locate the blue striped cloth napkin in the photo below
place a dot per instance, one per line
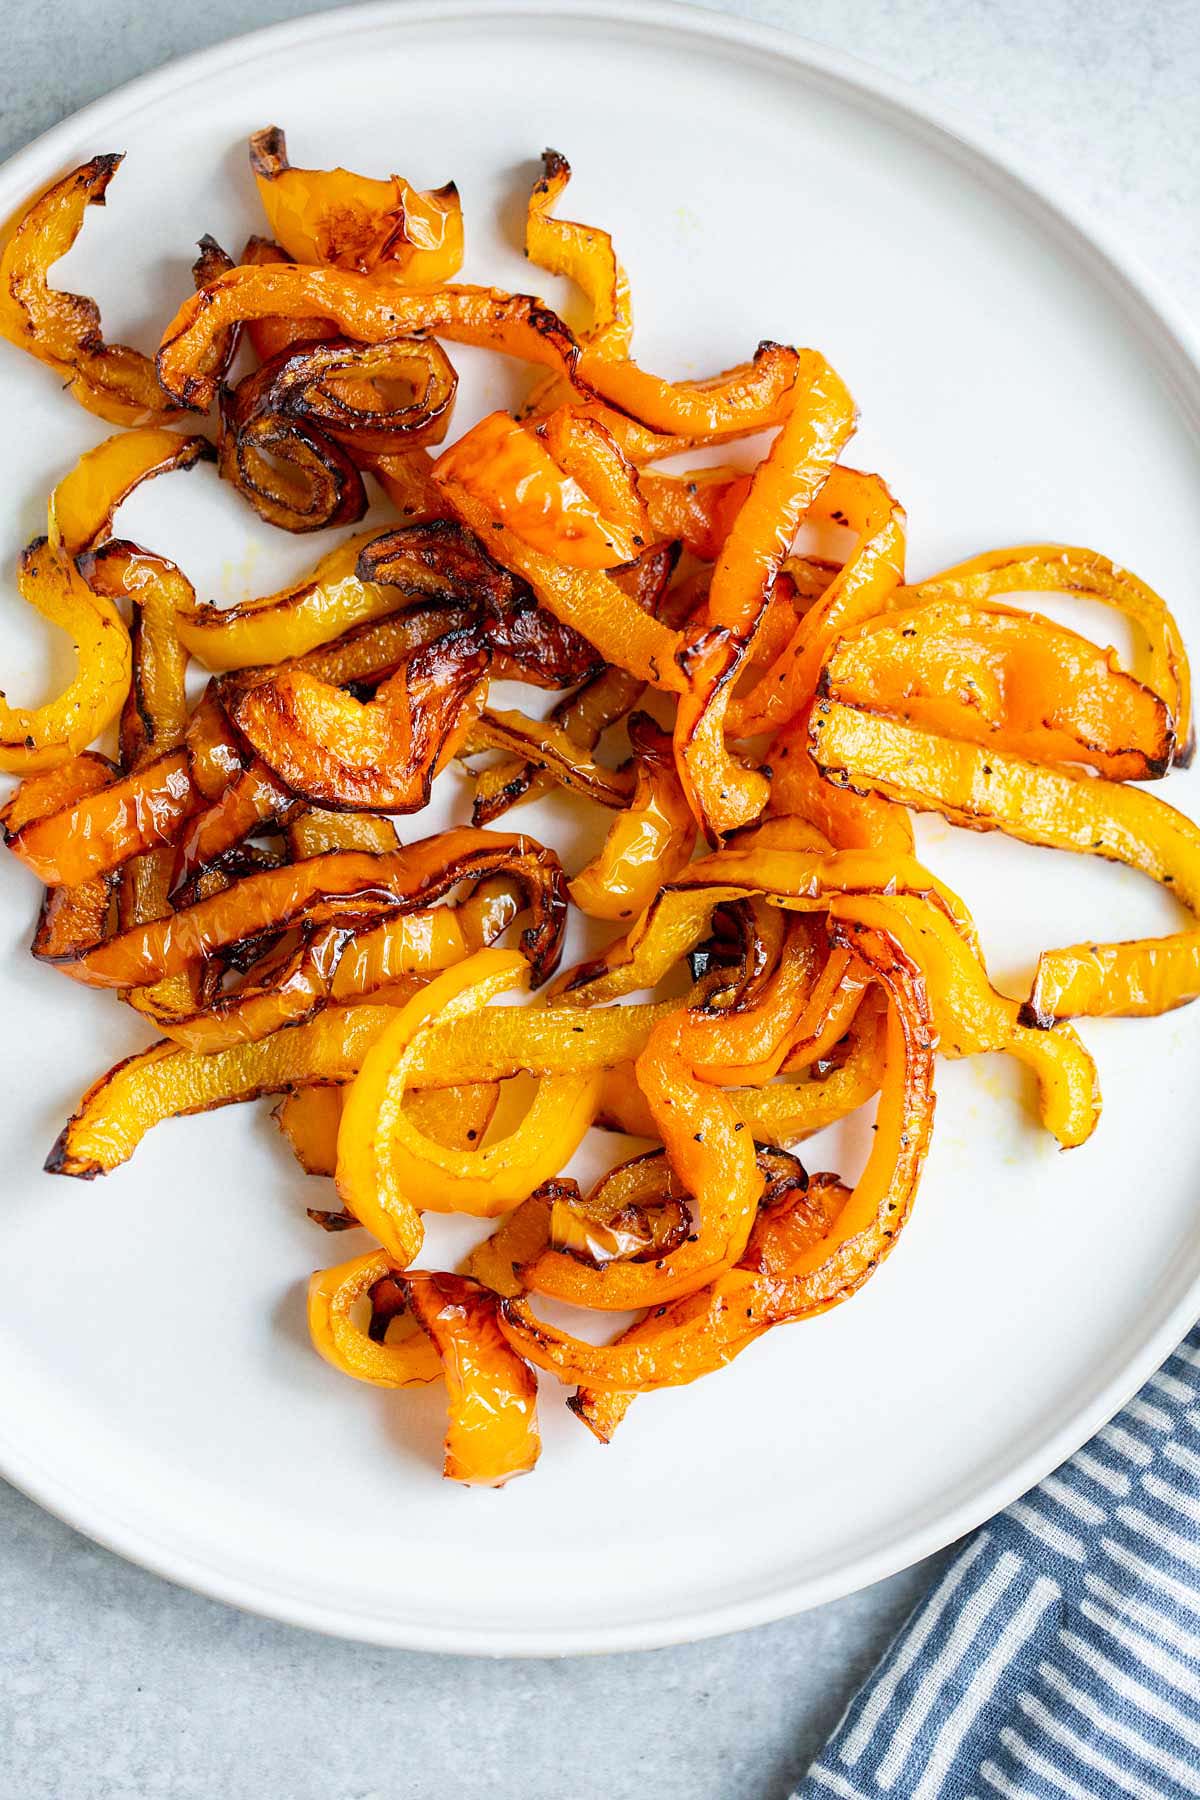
(1059, 1656)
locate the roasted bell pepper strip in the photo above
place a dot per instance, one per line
(309, 1120)
(743, 1302)
(285, 624)
(312, 831)
(331, 748)
(81, 507)
(1062, 569)
(723, 794)
(254, 1010)
(382, 228)
(587, 599)
(861, 588)
(377, 399)
(648, 842)
(104, 829)
(333, 1295)
(786, 1228)
(40, 796)
(511, 469)
(294, 477)
(492, 1434)
(1004, 678)
(698, 509)
(388, 1170)
(166, 1082)
(431, 939)
(345, 885)
(70, 917)
(311, 1117)
(269, 336)
(61, 329)
(583, 254)
(493, 1043)
(850, 820)
(406, 477)
(254, 797)
(38, 737)
(543, 742)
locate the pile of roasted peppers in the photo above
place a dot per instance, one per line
(757, 723)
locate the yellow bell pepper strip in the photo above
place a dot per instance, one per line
(311, 831)
(331, 748)
(791, 1222)
(333, 1296)
(294, 478)
(284, 996)
(309, 1119)
(698, 509)
(427, 940)
(39, 737)
(971, 1017)
(649, 841)
(511, 469)
(388, 1171)
(40, 796)
(382, 228)
(861, 588)
(492, 1433)
(744, 1302)
(496, 1261)
(298, 618)
(722, 793)
(406, 477)
(583, 254)
(496, 1042)
(850, 821)
(587, 599)
(1064, 569)
(104, 829)
(70, 917)
(166, 1082)
(342, 886)
(63, 330)
(269, 336)
(81, 507)
(1004, 678)
(543, 742)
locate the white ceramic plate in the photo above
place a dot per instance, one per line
(1015, 383)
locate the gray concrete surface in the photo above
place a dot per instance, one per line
(115, 1685)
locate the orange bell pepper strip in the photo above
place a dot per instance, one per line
(252, 798)
(406, 477)
(587, 599)
(333, 1295)
(583, 254)
(382, 228)
(1063, 569)
(33, 738)
(786, 1227)
(648, 842)
(743, 1302)
(388, 1171)
(382, 754)
(284, 997)
(309, 1120)
(543, 742)
(104, 829)
(70, 916)
(698, 509)
(861, 588)
(492, 1433)
(850, 820)
(268, 337)
(81, 507)
(1005, 678)
(311, 832)
(723, 794)
(434, 938)
(63, 330)
(344, 885)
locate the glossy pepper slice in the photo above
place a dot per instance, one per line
(492, 1433)
(388, 1171)
(1004, 678)
(333, 1296)
(649, 841)
(81, 507)
(724, 794)
(63, 330)
(743, 1302)
(102, 830)
(38, 737)
(383, 228)
(344, 885)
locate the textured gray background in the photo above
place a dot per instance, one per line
(114, 1684)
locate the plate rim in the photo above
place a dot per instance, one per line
(1178, 341)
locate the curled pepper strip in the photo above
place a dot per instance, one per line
(331, 748)
(723, 794)
(543, 742)
(1004, 678)
(284, 996)
(333, 1295)
(387, 229)
(648, 842)
(492, 1433)
(81, 507)
(310, 1118)
(989, 790)
(697, 509)
(294, 477)
(388, 1171)
(791, 1221)
(76, 915)
(38, 737)
(102, 830)
(434, 938)
(873, 570)
(63, 330)
(583, 254)
(1063, 569)
(341, 886)
(743, 1302)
